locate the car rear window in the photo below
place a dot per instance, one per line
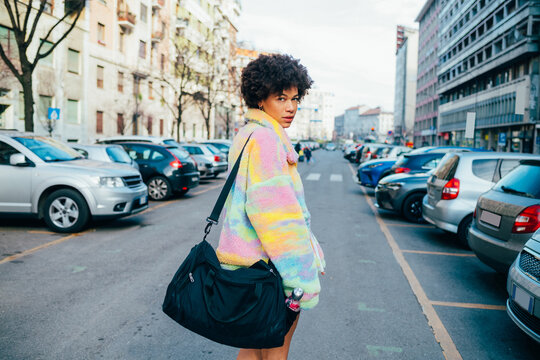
(179, 153)
(447, 168)
(484, 168)
(118, 155)
(522, 181)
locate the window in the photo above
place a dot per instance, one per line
(101, 34)
(150, 92)
(72, 111)
(508, 165)
(45, 102)
(144, 13)
(47, 45)
(5, 153)
(160, 126)
(120, 81)
(484, 168)
(73, 61)
(162, 62)
(120, 123)
(149, 125)
(9, 44)
(99, 122)
(142, 49)
(99, 76)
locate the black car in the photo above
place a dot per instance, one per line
(165, 169)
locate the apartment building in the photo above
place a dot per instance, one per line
(361, 122)
(116, 73)
(405, 84)
(425, 120)
(489, 60)
(315, 116)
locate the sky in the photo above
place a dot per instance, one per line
(348, 46)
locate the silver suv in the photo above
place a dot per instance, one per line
(458, 181)
(46, 178)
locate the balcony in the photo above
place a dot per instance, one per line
(181, 23)
(158, 4)
(157, 36)
(126, 20)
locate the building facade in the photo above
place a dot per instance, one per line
(315, 117)
(405, 84)
(362, 122)
(117, 72)
(489, 62)
(425, 120)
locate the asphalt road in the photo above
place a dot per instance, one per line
(392, 290)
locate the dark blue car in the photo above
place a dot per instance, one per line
(370, 172)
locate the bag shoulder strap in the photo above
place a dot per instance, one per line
(218, 207)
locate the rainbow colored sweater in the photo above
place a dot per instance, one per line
(265, 214)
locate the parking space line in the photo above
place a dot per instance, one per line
(43, 246)
(412, 225)
(41, 232)
(437, 253)
(442, 336)
(469, 306)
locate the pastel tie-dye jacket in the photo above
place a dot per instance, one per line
(266, 214)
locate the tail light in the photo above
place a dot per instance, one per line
(400, 170)
(176, 164)
(474, 213)
(217, 158)
(374, 156)
(528, 220)
(450, 190)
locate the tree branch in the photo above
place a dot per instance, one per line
(11, 17)
(27, 16)
(46, 53)
(28, 40)
(9, 64)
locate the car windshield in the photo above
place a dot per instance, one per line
(220, 146)
(117, 154)
(523, 181)
(48, 149)
(179, 153)
(213, 149)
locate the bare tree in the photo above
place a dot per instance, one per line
(24, 19)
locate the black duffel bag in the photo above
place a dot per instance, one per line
(243, 308)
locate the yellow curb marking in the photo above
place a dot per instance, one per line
(41, 232)
(43, 246)
(450, 352)
(412, 225)
(437, 253)
(469, 306)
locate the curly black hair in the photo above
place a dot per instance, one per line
(272, 74)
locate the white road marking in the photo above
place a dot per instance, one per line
(336, 177)
(313, 177)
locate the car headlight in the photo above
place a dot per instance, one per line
(394, 186)
(374, 165)
(109, 181)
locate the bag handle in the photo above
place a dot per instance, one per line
(213, 219)
(209, 282)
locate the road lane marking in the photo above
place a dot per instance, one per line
(412, 225)
(336, 177)
(437, 253)
(378, 350)
(313, 177)
(363, 307)
(469, 306)
(442, 336)
(43, 246)
(43, 232)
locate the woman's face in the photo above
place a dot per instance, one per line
(282, 107)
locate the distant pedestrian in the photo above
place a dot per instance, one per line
(298, 147)
(307, 153)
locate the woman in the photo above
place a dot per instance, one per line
(266, 215)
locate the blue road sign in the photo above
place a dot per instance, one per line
(502, 139)
(53, 114)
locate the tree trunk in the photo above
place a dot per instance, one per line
(28, 102)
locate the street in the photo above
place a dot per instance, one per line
(392, 289)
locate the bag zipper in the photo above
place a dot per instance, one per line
(191, 277)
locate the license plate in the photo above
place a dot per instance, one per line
(143, 200)
(490, 218)
(522, 298)
(194, 178)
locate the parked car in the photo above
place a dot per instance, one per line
(403, 194)
(138, 138)
(330, 147)
(370, 172)
(523, 285)
(458, 181)
(166, 169)
(349, 152)
(51, 181)
(213, 161)
(370, 151)
(106, 152)
(506, 216)
(221, 145)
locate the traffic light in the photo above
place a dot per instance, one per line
(372, 129)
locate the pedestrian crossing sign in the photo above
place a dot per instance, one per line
(53, 114)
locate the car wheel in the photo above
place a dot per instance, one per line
(159, 188)
(66, 211)
(463, 231)
(412, 207)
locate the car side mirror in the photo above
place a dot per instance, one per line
(18, 160)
